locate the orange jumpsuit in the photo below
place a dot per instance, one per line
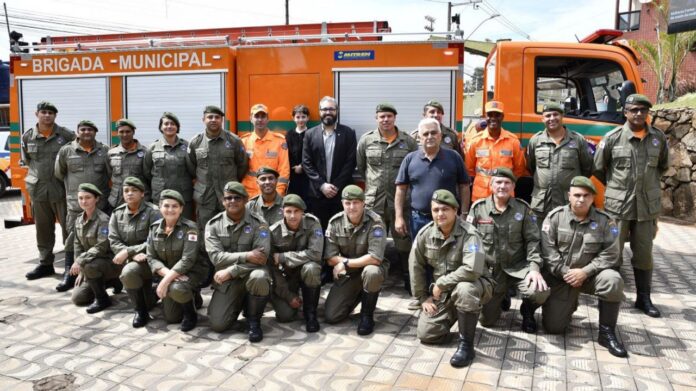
(484, 153)
(269, 151)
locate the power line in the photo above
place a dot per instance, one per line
(488, 8)
(47, 23)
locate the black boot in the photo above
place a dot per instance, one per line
(255, 307)
(527, 309)
(142, 316)
(643, 287)
(101, 298)
(40, 271)
(367, 311)
(68, 281)
(467, 331)
(116, 284)
(507, 299)
(190, 319)
(310, 302)
(608, 314)
(151, 298)
(197, 299)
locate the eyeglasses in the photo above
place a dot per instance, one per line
(327, 109)
(637, 110)
(233, 198)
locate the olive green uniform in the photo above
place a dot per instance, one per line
(272, 214)
(631, 169)
(93, 254)
(344, 239)
(177, 251)
(591, 245)
(450, 139)
(46, 191)
(74, 165)
(553, 166)
(169, 167)
(378, 163)
(511, 244)
(125, 163)
(227, 244)
(299, 262)
(459, 270)
(128, 231)
(217, 161)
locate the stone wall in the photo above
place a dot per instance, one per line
(679, 182)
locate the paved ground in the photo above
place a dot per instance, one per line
(46, 343)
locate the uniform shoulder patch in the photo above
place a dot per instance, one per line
(263, 232)
(318, 233)
(470, 218)
(192, 236)
(473, 247)
(104, 231)
(378, 232)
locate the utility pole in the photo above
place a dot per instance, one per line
(287, 12)
(7, 23)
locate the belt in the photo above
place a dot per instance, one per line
(419, 213)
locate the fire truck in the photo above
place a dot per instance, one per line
(139, 76)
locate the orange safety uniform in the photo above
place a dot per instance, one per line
(484, 153)
(270, 151)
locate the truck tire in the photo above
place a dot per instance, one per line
(4, 184)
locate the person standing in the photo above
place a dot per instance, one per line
(554, 156)
(84, 160)
(299, 183)
(126, 160)
(40, 146)
(434, 109)
(328, 159)
(630, 161)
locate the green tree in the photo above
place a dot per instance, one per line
(667, 54)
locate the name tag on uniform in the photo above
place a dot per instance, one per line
(505, 152)
(483, 153)
(271, 154)
(485, 221)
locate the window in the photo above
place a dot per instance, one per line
(490, 77)
(588, 88)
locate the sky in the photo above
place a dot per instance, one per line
(538, 20)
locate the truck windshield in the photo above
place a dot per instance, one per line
(588, 88)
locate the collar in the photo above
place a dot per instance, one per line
(346, 221)
(423, 155)
(503, 134)
(457, 231)
(286, 231)
(227, 221)
(255, 137)
(490, 204)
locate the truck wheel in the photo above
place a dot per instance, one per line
(4, 184)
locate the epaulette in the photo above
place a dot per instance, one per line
(156, 223)
(338, 215)
(152, 206)
(520, 200)
(374, 216)
(312, 217)
(124, 205)
(477, 202)
(556, 210)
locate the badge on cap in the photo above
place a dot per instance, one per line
(104, 231)
(655, 142)
(180, 235)
(448, 140)
(263, 233)
(192, 237)
(518, 216)
(593, 225)
(247, 229)
(318, 233)
(378, 232)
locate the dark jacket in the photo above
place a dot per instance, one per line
(314, 159)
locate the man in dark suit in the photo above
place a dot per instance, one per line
(328, 159)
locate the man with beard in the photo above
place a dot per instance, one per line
(328, 159)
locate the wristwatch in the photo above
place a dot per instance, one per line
(345, 263)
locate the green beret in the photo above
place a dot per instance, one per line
(553, 106)
(436, 104)
(45, 105)
(294, 200)
(172, 195)
(504, 172)
(266, 170)
(385, 107)
(172, 117)
(446, 197)
(135, 182)
(581, 181)
(214, 110)
(90, 188)
(352, 192)
(125, 122)
(86, 122)
(638, 99)
(237, 188)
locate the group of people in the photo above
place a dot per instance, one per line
(278, 216)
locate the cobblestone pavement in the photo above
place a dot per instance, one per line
(47, 343)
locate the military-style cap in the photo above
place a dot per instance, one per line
(436, 104)
(504, 172)
(90, 188)
(267, 170)
(553, 106)
(135, 182)
(259, 108)
(236, 187)
(46, 105)
(385, 107)
(214, 110)
(86, 122)
(294, 200)
(172, 195)
(125, 122)
(353, 192)
(638, 99)
(581, 181)
(494, 105)
(172, 117)
(446, 197)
